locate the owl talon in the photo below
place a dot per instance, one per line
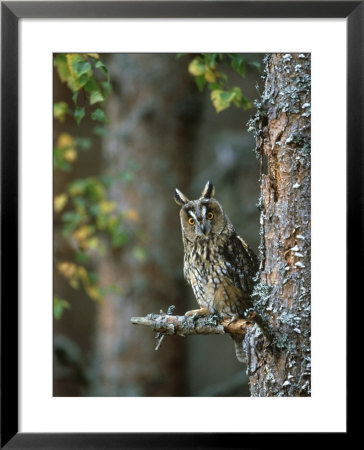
(250, 314)
(196, 313)
(233, 319)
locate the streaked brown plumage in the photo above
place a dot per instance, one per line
(218, 263)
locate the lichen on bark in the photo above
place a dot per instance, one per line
(282, 293)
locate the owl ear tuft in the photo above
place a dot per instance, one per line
(208, 190)
(180, 198)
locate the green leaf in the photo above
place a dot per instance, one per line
(93, 277)
(237, 96)
(72, 217)
(102, 221)
(81, 257)
(80, 82)
(79, 66)
(83, 143)
(210, 59)
(95, 209)
(80, 204)
(75, 96)
(79, 114)
(215, 86)
(58, 161)
(91, 85)
(59, 305)
(238, 63)
(80, 71)
(95, 190)
(106, 85)
(95, 93)
(96, 97)
(246, 104)
(78, 187)
(223, 77)
(100, 65)
(200, 81)
(119, 239)
(256, 64)
(99, 115)
(99, 130)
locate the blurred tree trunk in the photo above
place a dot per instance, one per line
(282, 128)
(153, 114)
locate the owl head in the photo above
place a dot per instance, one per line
(201, 218)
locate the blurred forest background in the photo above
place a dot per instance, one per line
(128, 129)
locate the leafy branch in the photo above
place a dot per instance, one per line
(207, 70)
(84, 208)
(79, 72)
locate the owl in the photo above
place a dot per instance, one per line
(218, 263)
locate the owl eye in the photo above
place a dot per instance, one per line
(191, 221)
(210, 215)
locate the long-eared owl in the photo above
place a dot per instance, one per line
(218, 263)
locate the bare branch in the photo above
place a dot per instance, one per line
(183, 326)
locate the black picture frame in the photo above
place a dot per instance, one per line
(11, 12)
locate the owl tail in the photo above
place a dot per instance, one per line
(239, 350)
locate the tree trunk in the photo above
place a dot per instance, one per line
(153, 115)
(282, 367)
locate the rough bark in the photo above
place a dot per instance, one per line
(282, 129)
(153, 115)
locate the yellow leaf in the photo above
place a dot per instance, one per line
(82, 273)
(60, 111)
(60, 202)
(93, 292)
(83, 232)
(210, 76)
(196, 68)
(67, 269)
(70, 155)
(74, 282)
(132, 214)
(65, 140)
(106, 207)
(94, 55)
(221, 99)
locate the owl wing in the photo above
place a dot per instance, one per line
(238, 265)
(250, 256)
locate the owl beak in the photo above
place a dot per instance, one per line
(205, 229)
